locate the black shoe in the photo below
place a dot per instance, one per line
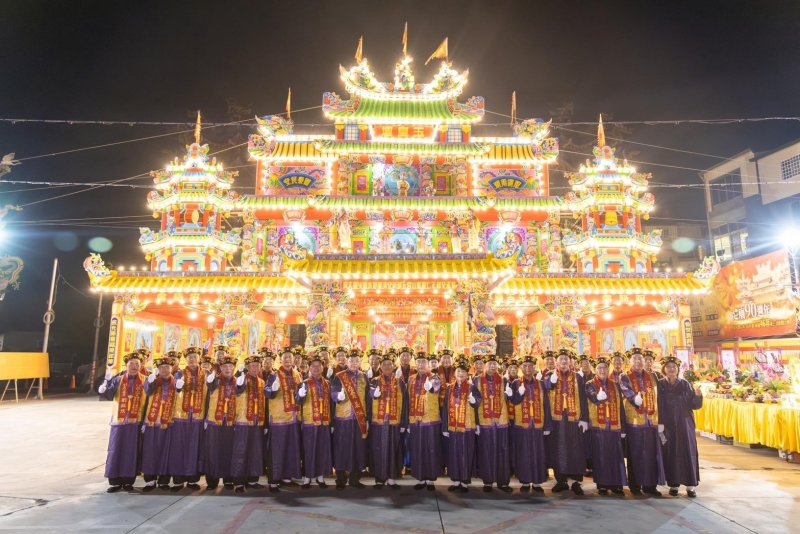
(290, 484)
(537, 489)
(691, 494)
(228, 485)
(193, 486)
(163, 487)
(487, 488)
(340, 486)
(239, 489)
(274, 489)
(463, 489)
(212, 487)
(128, 487)
(525, 487)
(255, 485)
(148, 489)
(602, 491)
(588, 473)
(394, 486)
(305, 486)
(357, 484)
(431, 487)
(618, 491)
(176, 489)
(506, 489)
(636, 491)
(113, 489)
(559, 487)
(673, 492)
(652, 491)
(577, 489)
(379, 484)
(454, 488)
(322, 484)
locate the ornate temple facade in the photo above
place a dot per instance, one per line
(401, 227)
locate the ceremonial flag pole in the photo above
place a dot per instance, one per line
(440, 52)
(359, 49)
(289, 105)
(513, 107)
(405, 40)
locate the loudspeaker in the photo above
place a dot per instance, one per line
(505, 339)
(297, 335)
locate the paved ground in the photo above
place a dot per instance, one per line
(51, 480)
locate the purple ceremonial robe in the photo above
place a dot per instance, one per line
(122, 460)
(461, 452)
(566, 450)
(155, 441)
(645, 461)
(386, 440)
(675, 404)
(349, 445)
(248, 440)
(425, 447)
(184, 443)
(494, 461)
(608, 467)
(317, 456)
(530, 453)
(284, 442)
(217, 447)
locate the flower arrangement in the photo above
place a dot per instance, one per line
(690, 375)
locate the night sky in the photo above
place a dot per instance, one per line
(161, 61)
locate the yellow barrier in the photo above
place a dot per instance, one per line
(752, 423)
(20, 365)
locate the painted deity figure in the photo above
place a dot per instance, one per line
(554, 260)
(402, 185)
(455, 237)
(345, 232)
(277, 340)
(377, 186)
(386, 237)
(473, 239)
(422, 241)
(441, 340)
(524, 343)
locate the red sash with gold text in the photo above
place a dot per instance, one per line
(649, 395)
(355, 401)
(225, 405)
(492, 403)
(255, 400)
(130, 404)
(194, 398)
(608, 410)
(569, 401)
(532, 405)
(457, 411)
(288, 388)
(320, 400)
(389, 389)
(155, 403)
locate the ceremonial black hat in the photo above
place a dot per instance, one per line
(406, 349)
(478, 358)
(227, 359)
(132, 356)
(529, 359)
(634, 350)
(602, 359)
(323, 348)
(446, 352)
(340, 349)
(286, 350)
(221, 348)
(264, 352)
(649, 354)
(549, 354)
(510, 360)
(354, 353)
(253, 358)
(192, 350)
(389, 356)
(461, 363)
(586, 357)
(566, 352)
(618, 354)
(432, 357)
(670, 359)
(317, 358)
(165, 359)
(492, 358)
(421, 355)
(145, 353)
(299, 351)
(206, 358)
(375, 352)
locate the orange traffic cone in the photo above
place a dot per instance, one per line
(72, 382)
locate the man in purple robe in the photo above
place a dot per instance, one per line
(217, 447)
(248, 428)
(126, 390)
(492, 393)
(676, 401)
(187, 425)
(606, 430)
(389, 420)
(566, 450)
(313, 398)
(267, 369)
(424, 425)
(405, 372)
(531, 424)
(459, 426)
(645, 464)
(284, 423)
(161, 389)
(350, 422)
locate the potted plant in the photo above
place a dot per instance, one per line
(774, 388)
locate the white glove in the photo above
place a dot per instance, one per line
(369, 373)
(637, 400)
(601, 395)
(398, 373)
(477, 430)
(240, 368)
(553, 377)
(143, 427)
(580, 372)
(151, 378)
(471, 399)
(428, 385)
(367, 426)
(446, 434)
(539, 375)
(331, 430)
(469, 381)
(546, 432)
(521, 388)
(302, 391)
(341, 396)
(377, 393)
(102, 388)
(179, 383)
(211, 376)
(402, 430)
(240, 380)
(205, 425)
(622, 436)
(265, 431)
(276, 385)
(509, 391)
(408, 430)
(660, 429)
(583, 425)
(330, 373)
(109, 376)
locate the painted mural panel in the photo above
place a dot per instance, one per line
(295, 180)
(295, 242)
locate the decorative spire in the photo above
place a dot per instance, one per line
(289, 104)
(601, 133)
(197, 129)
(513, 107)
(405, 40)
(439, 53)
(359, 50)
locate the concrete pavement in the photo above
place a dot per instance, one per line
(52, 456)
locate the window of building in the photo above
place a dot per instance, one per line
(790, 167)
(454, 135)
(726, 187)
(730, 240)
(351, 132)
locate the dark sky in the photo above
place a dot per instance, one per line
(157, 61)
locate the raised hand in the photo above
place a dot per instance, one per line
(377, 393)
(240, 380)
(637, 400)
(151, 378)
(276, 385)
(211, 376)
(302, 391)
(369, 373)
(521, 388)
(539, 375)
(471, 399)
(509, 391)
(398, 373)
(428, 385)
(341, 396)
(553, 377)
(179, 383)
(601, 395)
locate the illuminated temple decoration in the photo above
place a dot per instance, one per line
(399, 228)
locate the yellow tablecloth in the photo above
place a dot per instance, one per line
(750, 422)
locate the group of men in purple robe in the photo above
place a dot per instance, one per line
(298, 422)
